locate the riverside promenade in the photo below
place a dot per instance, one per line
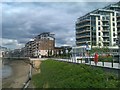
(99, 64)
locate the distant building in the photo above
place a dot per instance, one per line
(28, 50)
(99, 28)
(42, 45)
(2, 51)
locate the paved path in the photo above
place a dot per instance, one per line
(41, 59)
(106, 64)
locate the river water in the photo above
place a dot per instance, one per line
(5, 70)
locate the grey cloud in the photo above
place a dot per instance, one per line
(22, 21)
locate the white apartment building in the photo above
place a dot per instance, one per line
(99, 28)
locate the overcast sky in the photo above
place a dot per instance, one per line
(22, 21)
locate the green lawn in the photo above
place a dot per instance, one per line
(56, 74)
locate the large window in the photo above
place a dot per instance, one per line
(98, 23)
(113, 19)
(114, 34)
(113, 24)
(99, 33)
(98, 28)
(113, 29)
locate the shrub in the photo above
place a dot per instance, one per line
(105, 58)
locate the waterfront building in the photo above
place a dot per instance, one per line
(28, 50)
(42, 45)
(45, 43)
(99, 28)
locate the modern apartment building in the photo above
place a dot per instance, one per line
(99, 28)
(42, 45)
(45, 43)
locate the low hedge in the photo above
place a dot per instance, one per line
(105, 58)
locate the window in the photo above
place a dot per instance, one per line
(113, 19)
(98, 18)
(114, 34)
(114, 39)
(107, 18)
(99, 39)
(99, 33)
(103, 18)
(99, 44)
(113, 29)
(98, 23)
(98, 28)
(113, 24)
(113, 14)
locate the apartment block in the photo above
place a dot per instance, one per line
(41, 45)
(45, 43)
(29, 49)
(99, 28)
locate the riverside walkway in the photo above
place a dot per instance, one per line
(99, 64)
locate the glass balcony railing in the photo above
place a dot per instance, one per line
(83, 31)
(105, 25)
(105, 30)
(106, 35)
(86, 36)
(106, 40)
(83, 26)
(83, 21)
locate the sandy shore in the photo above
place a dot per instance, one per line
(19, 75)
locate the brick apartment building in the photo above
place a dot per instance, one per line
(42, 45)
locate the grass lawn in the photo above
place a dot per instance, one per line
(56, 74)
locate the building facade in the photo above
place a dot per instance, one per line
(28, 50)
(42, 45)
(99, 28)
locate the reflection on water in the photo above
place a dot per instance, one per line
(6, 71)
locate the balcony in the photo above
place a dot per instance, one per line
(83, 26)
(83, 21)
(81, 42)
(86, 36)
(106, 40)
(105, 20)
(118, 26)
(105, 25)
(83, 31)
(118, 21)
(118, 16)
(105, 30)
(105, 35)
(118, 31)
